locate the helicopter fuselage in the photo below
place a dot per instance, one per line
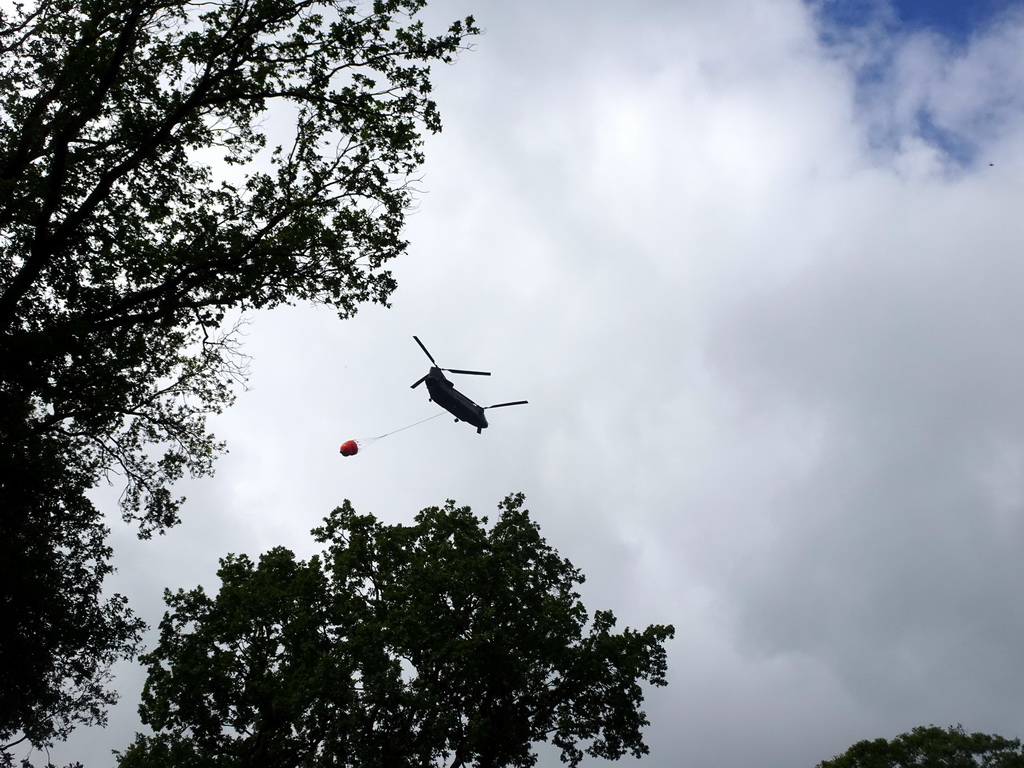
(444, 393)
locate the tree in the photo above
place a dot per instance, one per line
(442, 641)
(164, 165)
(933, 747)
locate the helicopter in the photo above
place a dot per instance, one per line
(444, 393)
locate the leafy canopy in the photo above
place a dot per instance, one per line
(165, 165)
(933, 747)
(163, 162)
(440, 642)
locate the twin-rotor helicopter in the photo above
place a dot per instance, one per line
(444, 393)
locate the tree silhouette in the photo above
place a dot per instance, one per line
(165, 164)
(442, 642)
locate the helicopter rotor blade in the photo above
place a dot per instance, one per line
(471, 373)
(418, 383)
(425, 350)
(502, 405)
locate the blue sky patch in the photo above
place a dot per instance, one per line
(957, 148)
(888, 24)
(955, 20)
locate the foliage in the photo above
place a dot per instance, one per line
(442, 641)
(123, 250)
(933, 747)
(58, 636)
(164, 165)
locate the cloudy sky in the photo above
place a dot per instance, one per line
(757, 266)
